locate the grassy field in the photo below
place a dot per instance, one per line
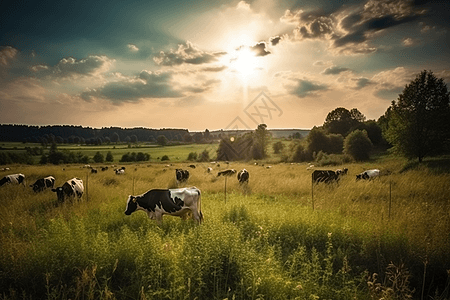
(175, 152)
(384, 239)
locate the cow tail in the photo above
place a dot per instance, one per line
(200, 205)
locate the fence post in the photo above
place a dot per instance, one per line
(390, 198)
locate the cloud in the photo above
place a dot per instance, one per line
(350, 29)
(215, 69)
(275, 40)
(92, 65)
(185, 54)
(334, 70)
(133, 47)
(131, 89)
(259, 49)
(304, 88)
(7, 53)
(361, 82)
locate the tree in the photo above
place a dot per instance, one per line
(261, 137)
(192, 156)
(109, 157)
(277, 147)
(162, 140)
(341, 120)
(418, 124)
(115, 137)
(358, 145)
(98, 157)
(204, 156)
(134, 139)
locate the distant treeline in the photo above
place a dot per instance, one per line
(79, 134)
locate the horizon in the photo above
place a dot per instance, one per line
(201, 64)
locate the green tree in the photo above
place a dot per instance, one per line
(278, 147)
(419, 121)
(261, 137)
(162, 140)
(115, 137)
(204, 156)
(109, 157)
(358, 145)
(341, 120)
(98, 157)
(192, 156)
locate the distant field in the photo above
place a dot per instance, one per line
(175, 153)
(261, 241)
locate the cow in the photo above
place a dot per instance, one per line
(104, 169)
(119, 171)
(43, 183)
(13, 179)
(229, 172)
(326, 176)
(181, 175)
(71, 188)
(192, 166)
(174, 202)
(209, 170)
(368, 174)
(243, 176)
(93, 171)
(343, 171)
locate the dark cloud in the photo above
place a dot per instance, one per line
(361, 82)
(304, 88)
(260, 49)
(215, 69)
(351, 33)
(334, 70)
(185, 54)
(275, 40)
(389, 94)
(146, 85)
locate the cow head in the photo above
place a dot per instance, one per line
(131, 205)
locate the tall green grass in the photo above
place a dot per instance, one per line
(264, 241)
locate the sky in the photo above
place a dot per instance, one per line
(213, 65)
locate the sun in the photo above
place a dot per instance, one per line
(244, 62)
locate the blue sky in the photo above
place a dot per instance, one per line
(205, 64)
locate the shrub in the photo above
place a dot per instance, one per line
(98, 157)
(204, 156)
(164, 157)
(109, 157)
(358, 145)
(192, 156)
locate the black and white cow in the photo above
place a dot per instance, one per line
(173, 202)
(243, 176)
(181, 175)
(70, 189)
(229, 172)
(340, 172)
(13, 179)
(43, 183)
(368, 174)
(120, 171)
(326, 176)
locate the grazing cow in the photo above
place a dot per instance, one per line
(71, 188)
(43, 183)
(104, 168)
(94, 171)
(209, 170)
(326, 176)
(181, 175)
(119, 171)
(229, 172)
(192, 166)
(343, 171)
(243, 176)
(13, 179)
(174, 202)
(369, 174)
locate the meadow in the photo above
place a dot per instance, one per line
(271, 239)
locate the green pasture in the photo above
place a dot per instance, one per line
(383, 239)
(174, 152)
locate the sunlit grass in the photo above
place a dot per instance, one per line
(263, 240)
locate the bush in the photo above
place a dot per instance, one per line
(98, 157)
(109, 157)
(204, 156)
(165, 157)
(358, 145)
(133, 157)
(192, 156)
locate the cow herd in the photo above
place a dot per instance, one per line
(176, 202)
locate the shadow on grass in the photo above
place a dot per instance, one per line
(438, 165)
